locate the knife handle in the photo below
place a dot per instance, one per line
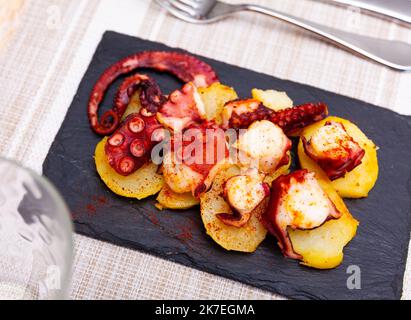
(395, 54)
(398, 9)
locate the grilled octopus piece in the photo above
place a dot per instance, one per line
(334, 150)
(183, 108)
(297, 201)
(264, 146)
(185, 67)
(129, 148)
(194, 157)
(243, 193)
(240, 114)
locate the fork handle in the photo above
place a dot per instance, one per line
(395, 54)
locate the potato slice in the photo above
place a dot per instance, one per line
(322, 248)
(358, 182)
(275, 100)
(133, 106)
(168, 199)
(244, 239)
(140, 184)
(214, 98)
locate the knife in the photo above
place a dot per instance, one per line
(398, 9)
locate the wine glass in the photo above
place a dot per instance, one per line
(36, 244)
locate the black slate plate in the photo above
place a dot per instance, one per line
(379, 249)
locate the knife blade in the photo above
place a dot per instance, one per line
(398, 9)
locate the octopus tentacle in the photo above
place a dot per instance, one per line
(298, 117)
(241, 114)
(129, 147)
(151, 97)
(185, 67)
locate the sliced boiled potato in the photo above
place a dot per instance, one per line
(140, 184)
(168, 199)
(275, 100)
(133, 106)
(244, 239)
(322, 248)
(214, 98)
(358, 182)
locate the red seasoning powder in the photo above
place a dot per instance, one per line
(91, 209)
(185, 234)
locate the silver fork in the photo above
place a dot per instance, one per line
(394, 54)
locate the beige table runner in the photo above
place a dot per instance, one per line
(46, 46)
